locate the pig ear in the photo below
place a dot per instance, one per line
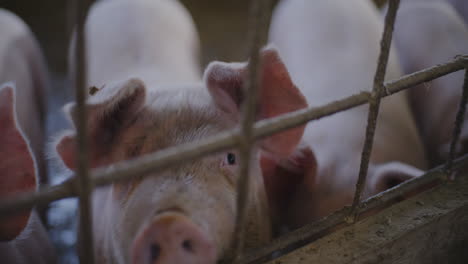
(391, 174)
(277, 95)
(108, 110)
(17, 166)
(282, 177)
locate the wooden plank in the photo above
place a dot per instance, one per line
(431, 227)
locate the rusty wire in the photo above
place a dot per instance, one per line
(258, 30)
(374, 103)
(84, 183)
(184, 153)
(458, 125)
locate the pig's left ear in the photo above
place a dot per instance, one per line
(108, 110)
(277, 95)
(17, 166)
(391, 174)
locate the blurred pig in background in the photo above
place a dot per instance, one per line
(23, 238)
(22, 62)
(426, 34)
(331, 49)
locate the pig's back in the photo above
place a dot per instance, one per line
(433, 33)
(338, 46)
(125, 39)
(337, 57)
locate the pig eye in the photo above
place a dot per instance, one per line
(231, 158)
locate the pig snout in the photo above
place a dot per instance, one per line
(172, 238)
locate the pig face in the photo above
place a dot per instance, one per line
(185, 214)
(17, 166)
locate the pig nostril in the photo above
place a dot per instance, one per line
(155, 252)
(187, 245)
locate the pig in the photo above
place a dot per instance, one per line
(331, 48)
(426, 34)
(147, 96)
(22, 62)
(23, 238)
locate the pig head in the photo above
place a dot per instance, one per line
(185, 214)
(23, 239)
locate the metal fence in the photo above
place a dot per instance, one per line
(83, 183)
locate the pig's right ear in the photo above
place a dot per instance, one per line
(17, 166)
(277, 95)
(108, 110)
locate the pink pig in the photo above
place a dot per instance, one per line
(331, 49)
(23, 238)
(142, 55)
(429, 33)
(22, 62)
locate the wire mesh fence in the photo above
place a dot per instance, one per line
(83, 183)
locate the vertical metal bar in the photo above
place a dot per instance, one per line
(458, 125)
(86, 240)
(258, 30)
(374, 103)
